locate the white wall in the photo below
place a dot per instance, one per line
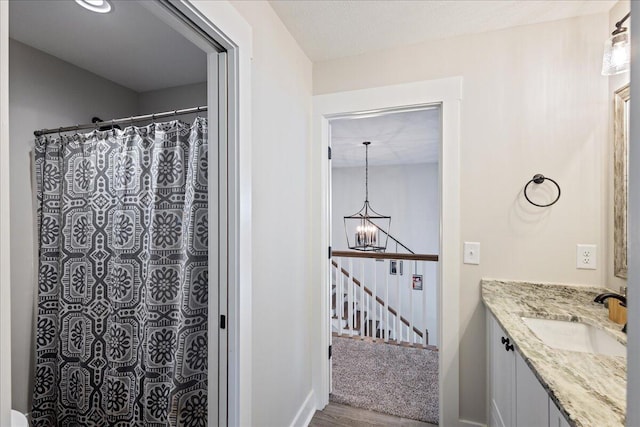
(534, 102)
(409, 194)
(44, 92)
(281, 111)
(616, 13)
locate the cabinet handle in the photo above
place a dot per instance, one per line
(508, 346)
(504, 340)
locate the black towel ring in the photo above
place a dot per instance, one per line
(539, 179)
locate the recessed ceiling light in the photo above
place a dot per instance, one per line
(99, 6)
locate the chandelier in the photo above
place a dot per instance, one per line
(364, 228)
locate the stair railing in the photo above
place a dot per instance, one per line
(398, 242)
(369, 313)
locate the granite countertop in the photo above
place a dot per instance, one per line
(590, 389)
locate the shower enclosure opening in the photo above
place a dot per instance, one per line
(117, 283)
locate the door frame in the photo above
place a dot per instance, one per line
(233, 34)
(5, 247)
(448, 93)
(633, 336)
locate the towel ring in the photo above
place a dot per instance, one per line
(539, 179)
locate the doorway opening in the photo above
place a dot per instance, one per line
(447, 93)
(67, 66)
(384, 302)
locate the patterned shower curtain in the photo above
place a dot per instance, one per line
(122, 305)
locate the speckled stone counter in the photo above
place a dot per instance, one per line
(590, 389)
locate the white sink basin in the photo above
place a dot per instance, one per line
(575, 336)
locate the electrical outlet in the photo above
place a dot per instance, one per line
(471, 253)
(586, 257)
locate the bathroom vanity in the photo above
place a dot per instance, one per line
(554, 357)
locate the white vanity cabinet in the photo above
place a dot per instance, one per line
(516, 397)
(501, 378)
(532, 401)
(556, 419)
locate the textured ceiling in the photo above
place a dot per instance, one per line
(396, 139)
(332, 29)
(129, 45)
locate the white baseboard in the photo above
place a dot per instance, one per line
(472, 423)
(305, 413)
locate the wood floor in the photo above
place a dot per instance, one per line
(346, 416)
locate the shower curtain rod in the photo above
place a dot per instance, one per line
(123, 120)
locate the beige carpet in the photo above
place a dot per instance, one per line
(385, 378)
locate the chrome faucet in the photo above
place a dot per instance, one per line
(600, 299)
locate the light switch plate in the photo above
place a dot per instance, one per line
(586, 257)
(471, 253)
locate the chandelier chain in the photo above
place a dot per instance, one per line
(366, 171)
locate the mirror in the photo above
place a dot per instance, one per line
(620, 174)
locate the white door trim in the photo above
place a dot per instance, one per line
(448, 93)
(5, 261)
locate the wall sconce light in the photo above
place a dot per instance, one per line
(617, 54)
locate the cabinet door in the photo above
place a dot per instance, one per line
(532, 401)
(502, 376)
(556, 419)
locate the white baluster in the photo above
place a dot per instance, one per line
(410, 335)
(399, 302)
(339, 297)
(350, 315)
(386, 301)
(374, 305)
(362, 305)
(424, 303)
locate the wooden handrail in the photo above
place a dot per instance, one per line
(386, 255)
(378, 299)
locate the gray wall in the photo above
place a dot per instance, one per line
(45, 92)
(174, 98)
